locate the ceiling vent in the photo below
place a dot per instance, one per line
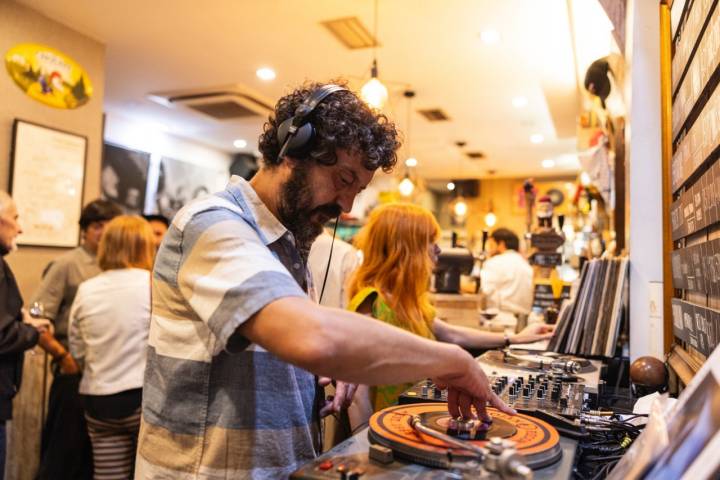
(221, 103)
(475, 155)
(351, 32)
(434, 115)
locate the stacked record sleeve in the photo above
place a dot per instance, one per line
(590, 324)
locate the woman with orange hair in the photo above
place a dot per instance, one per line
(109, 323)
(399, 251)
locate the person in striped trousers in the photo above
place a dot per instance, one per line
(109, 323)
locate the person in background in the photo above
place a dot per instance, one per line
(506, 277)
(65, 450)
(344, 261)
(399, 250)
(18, 330)
(159, 225)
(332, 293)
(108, 330)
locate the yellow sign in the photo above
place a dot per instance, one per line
(48, 75)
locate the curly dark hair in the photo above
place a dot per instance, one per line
(341, 120)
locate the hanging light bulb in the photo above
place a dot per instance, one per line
(374, 92)
(406, 186)
(451, 186)
(460, 208)
(490, 219)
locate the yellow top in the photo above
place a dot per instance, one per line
(383, 396)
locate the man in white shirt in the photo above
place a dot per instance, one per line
(506, 277)
(345, 259)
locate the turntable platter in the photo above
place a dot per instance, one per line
(536, 440)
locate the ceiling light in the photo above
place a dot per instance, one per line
(536, 138)
(490, 37)
(451, 186)
(548, 163)
(265, 73)
(374, 92)
(240, 143)
(519, 102)
(460, 208)
(406, 186)
(490, 219)
(411, 162)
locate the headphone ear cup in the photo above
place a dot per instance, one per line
(300, 144)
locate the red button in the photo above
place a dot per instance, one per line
(326, 465)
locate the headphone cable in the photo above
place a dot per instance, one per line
(327, 268)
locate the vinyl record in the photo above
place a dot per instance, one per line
(536, 440)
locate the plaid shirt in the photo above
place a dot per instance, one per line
(215, 405)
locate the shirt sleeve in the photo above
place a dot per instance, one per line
(228, 274)
(15, 336)
(75, 337)
(52, 289)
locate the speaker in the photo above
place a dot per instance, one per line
(467, 188)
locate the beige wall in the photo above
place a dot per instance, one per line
(503, 193)
(19, 24)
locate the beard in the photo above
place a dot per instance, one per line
(297, 213)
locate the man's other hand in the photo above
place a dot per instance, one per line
(341, 400)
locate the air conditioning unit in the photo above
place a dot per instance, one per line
(231, 102)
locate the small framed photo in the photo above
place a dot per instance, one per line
(47, 171)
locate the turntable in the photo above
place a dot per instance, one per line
(422, 441)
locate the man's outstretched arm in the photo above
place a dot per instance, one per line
(350, 347)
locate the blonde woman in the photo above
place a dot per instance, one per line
(399, 251)
(109, 322)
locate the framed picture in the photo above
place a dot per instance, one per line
(47, 170)
(123, 177)
(179, 182)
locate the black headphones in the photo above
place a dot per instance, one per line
(296, 134)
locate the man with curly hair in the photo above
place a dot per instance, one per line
(236, 343)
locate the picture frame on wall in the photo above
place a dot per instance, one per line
(47, 173)
(124, 177)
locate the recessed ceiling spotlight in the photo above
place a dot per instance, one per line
(411, 162)
(537, 138)
(451, 186)
(548, 163)
(240, 143)
(490, 37)
(519, 102)
(265, 73)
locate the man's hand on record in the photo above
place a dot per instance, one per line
(469, 389)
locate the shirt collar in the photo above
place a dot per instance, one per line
(246, 196)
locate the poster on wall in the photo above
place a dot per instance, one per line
(560, 193)
(48, 75)
(46, 181)
(124, 176)
(179, 182)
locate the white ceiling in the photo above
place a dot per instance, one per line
(432, 46)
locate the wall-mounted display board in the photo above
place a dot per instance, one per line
(46, 181)
(690, 66)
